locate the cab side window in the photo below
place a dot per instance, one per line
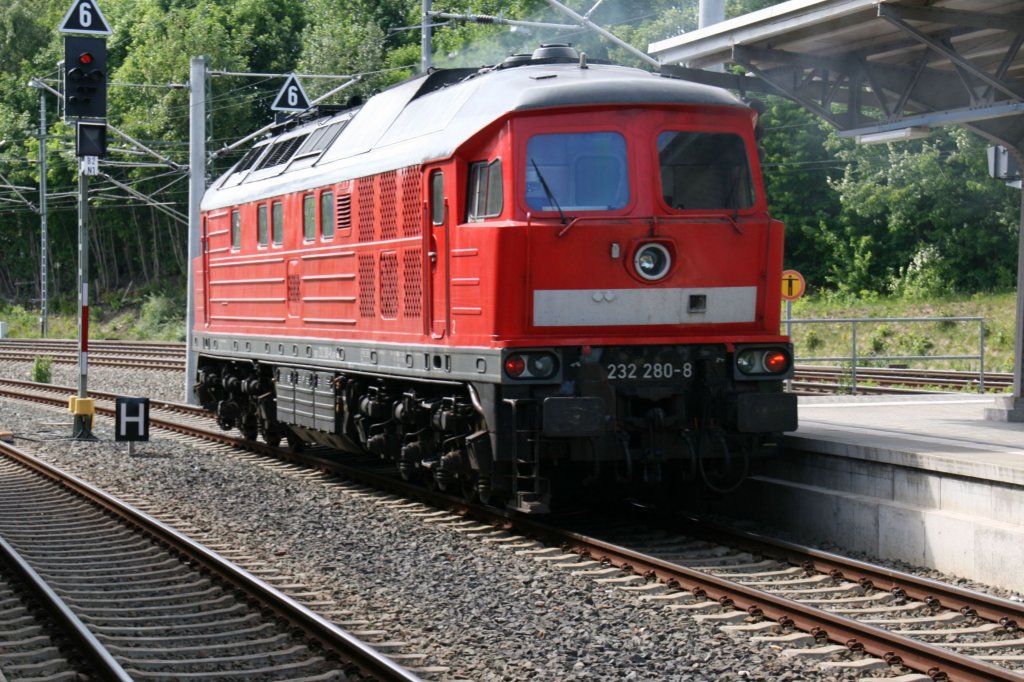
(486, 195)
(327, 215)
(236, 230)
(437, 198)
(309, 217)
(261, 225)
(277, 228)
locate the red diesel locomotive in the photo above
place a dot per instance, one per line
(543, 275)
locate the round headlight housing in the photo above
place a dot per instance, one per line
(747, 361)
(542, 365)
(652, 261)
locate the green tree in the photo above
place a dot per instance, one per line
(797, 168)
(929, 203)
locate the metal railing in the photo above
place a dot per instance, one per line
(855, 357)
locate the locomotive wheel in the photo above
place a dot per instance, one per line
(249, 426)
(430, 481)
(468, 486)
(295, 444)
(488, 494)
(410, 474)
(443, 480)
(271, 433)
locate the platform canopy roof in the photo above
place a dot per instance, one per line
(895, 67)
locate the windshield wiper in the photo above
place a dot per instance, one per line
(547, 191)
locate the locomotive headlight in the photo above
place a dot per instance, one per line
(542, 365)
(652, 261)
(747, 361)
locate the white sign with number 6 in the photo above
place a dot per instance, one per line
(85, 16)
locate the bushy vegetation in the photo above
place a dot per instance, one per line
(42, 369)
(153, 316)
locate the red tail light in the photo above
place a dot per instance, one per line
(515, 365)
(776, 362)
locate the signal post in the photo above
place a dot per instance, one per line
(85, 103)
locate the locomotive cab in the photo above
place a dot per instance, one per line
(650, 251)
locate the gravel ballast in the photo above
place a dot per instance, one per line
(479, 609)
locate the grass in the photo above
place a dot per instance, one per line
(932, 338)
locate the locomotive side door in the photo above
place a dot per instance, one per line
(203, 279)
(437, 255)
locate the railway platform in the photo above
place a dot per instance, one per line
(924, 479)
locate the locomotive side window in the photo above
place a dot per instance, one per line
(277, 227)
(577, 172)
(327, 215)
(437, 198)
(236, 230)
(261, 225)
(704, 170)
(309, 217)
(485, 190)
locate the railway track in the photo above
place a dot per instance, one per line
(878, 380)
(823, 604)
(145, 602)
(826, 606)
(808, 379)
(42, 345)
(132, 355)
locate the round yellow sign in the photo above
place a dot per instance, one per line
(793, 285)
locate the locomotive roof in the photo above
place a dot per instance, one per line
(429, 116)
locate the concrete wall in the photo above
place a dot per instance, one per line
(965, 526)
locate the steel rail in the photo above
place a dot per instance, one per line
(98, 343)
(88, 645)
(100, 359)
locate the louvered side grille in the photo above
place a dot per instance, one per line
(389, 285)
(388, 194)
(344, 212)
(412, 285)
(367, 286)
(364, 208)
(412, 212)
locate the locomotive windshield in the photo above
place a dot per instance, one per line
(704, 170)
(576, 172)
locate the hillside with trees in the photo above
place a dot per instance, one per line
(916, 219)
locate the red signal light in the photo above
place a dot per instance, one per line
(776, 362)
(85, 58)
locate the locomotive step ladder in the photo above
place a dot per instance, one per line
(531, 492)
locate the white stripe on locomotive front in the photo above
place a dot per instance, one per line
(614, 307)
